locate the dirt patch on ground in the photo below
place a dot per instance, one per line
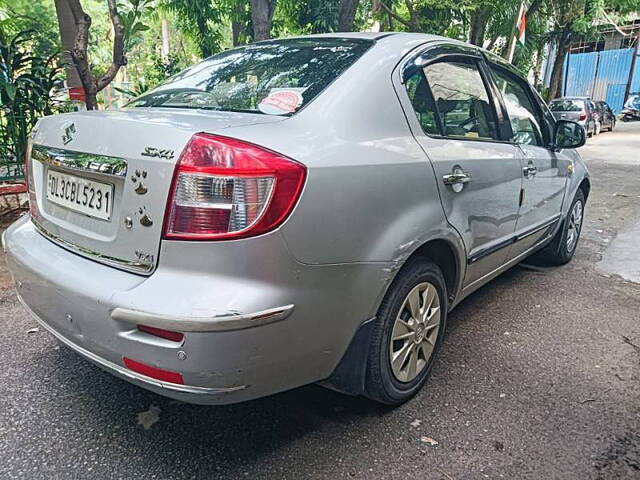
(620, 457)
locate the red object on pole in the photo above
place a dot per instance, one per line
(77, 94)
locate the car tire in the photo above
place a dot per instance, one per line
(390, 384)
(562, 248)
(613, 125)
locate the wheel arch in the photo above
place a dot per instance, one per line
(448, 254)
(443, 254)
(585, 186)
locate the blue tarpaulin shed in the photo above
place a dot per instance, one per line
(601, 75)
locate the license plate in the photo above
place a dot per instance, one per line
(80, 194)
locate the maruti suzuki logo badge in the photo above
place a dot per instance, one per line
(69, 130)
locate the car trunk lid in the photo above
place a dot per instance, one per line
(129, 157)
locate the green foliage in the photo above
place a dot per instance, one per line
(199, 28)
(132, 14)
(147, 67)
(27, 81)
(321, 16)
(154, 74)
(38, 16)
(364, 19)
(201, 19)
(294, 17)
(440, 17)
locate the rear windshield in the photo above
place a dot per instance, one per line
(276, 77)
(567, 106)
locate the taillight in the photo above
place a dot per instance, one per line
(583, 116)
(153, 372)
(225, 188)
(162, 333)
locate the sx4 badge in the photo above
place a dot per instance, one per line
(157, 152)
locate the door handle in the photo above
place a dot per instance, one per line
(457, 177)
(530, 171)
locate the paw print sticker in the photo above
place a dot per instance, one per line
(145, 218)
(137, 177)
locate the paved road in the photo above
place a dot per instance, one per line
(539, 378)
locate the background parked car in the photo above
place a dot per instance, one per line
(606, 117)
(577, 109)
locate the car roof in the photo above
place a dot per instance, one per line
(570, 98)
(408, 37)
(363, 35)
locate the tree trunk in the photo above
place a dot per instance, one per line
(67, 27)
(478, 25)
(238, 23)
(533, 8)
(166, 46)
(347, 15)
(201, 23)
(261, 17)
(79, 51)
(557, 73)
(236, 31)
(537, 69)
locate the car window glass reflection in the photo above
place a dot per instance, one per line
(461, 100)
(524, 121)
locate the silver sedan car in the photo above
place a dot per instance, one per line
(295, 211)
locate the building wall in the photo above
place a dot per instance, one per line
(601, 75)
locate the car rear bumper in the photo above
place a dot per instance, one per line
(243, 336)
(184, 392)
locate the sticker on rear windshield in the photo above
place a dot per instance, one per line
(281, 101)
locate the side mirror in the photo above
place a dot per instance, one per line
(567, 134)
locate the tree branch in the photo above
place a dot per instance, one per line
(533, 8)
(395, 16)
(83, 22)
(119, 58)
(410, 8)
(347, 14)
(78, 52)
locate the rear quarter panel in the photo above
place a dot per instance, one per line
(370, 195)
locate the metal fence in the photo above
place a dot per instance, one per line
(14, 128)
(12, 146)
(601, 75)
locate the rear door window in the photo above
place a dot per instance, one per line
(422, 102)
(461, 100)
(277, 77)
(450, 99)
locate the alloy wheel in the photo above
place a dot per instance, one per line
(415, 332)
(575, 222)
